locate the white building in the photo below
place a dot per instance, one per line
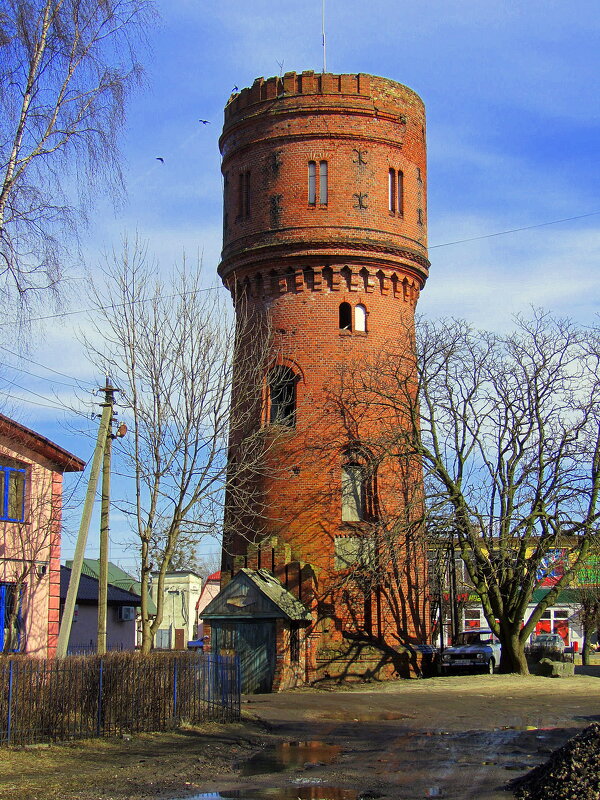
(182, 589)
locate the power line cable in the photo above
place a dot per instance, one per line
(515, 230)
(41, 377)
(119, 305)
(43, 366)
(57, 403)
(219, 288)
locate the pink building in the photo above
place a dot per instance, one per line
(211, 588)
(31, 476)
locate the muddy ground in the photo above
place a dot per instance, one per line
(452, 737)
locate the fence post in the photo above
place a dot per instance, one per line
(238, 684)
(100, 693)
(10, 694)
(175, 689)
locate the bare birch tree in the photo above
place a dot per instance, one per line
(169, 347)
(66, 67)
(508, 432)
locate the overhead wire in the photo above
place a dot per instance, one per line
(515, 230)
(118, 305)
(77, 383)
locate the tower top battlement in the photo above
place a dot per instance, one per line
(294, 90)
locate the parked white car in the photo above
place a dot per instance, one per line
(476, 648)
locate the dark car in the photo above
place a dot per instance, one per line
(546, 644)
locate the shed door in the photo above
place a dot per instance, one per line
(254, 643)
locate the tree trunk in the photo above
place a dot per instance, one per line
(585, 650)
(513, 658)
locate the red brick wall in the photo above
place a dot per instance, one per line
(292, 264)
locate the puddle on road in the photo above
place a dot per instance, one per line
(364, 716)
(282, 793)
(288, 755)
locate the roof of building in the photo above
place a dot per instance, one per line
(88, 590)
(116, 577)
(568, 596)
(67, 462)
(216, 576)
(255, 594)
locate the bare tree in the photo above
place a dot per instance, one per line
(508, 432)
(169, 348)
(66, 67)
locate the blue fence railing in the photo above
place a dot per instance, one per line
(44, 700)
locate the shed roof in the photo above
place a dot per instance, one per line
(256, 594)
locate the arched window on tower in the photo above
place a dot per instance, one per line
(345, 317)
(359, 491)
(282, 396)
(360, 318)
(353, 492)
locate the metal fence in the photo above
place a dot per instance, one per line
(71, 698)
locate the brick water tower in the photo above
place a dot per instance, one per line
(324, 253)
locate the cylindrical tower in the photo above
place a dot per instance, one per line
(325, 245)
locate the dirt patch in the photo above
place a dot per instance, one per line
(454, 737)
(136, 767)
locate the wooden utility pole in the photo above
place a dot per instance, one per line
(84, 526)
(109, 398)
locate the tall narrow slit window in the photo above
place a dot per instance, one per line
(247, 194)
(282, 396)
(400, 193)
(243, 195)
(392, 191)
(323, 190)
(312, 183)
(240, 213)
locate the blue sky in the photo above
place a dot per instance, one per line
(513, 108)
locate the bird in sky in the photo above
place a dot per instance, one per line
(159, 158)
(204, 121)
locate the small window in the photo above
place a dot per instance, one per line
(420, 216)
(294, 644)
(392, 190)
(360, 318)
(400, 193)
(312, 183)
(345, 315)
(12, 493)
(282, 396)
(323, 193)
